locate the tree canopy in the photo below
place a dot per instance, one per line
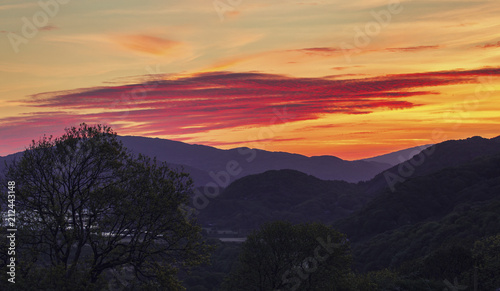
(89, 213)
(282, 256)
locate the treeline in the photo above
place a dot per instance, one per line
(440, 230)
(314, 256)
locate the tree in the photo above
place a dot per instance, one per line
(282, 256)
(486, 254)
(448, 262)
(89, 211)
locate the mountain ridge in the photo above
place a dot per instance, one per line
(252, 161)
(347, 197)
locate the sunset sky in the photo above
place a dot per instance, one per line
(353, 79)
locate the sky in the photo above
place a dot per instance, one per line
(353, 79)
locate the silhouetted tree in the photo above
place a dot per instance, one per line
(89, 212)
(282, 256)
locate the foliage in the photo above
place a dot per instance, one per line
(210, 276)
(281, 195)
(86, 208)
(282, 256)
(447, 262)
(389, 280)
(426, 214)
(486, 253)
(424, 198)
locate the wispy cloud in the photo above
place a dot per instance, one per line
(490, 45)
(49, 27)
(146, 43)
(242, 143)
(344, 68)
(328, 51)
(413, 48)
(334, 51)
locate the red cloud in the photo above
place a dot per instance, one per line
(328, 51)
(489, 45)
(319, 50)
(49, 27)
(344, 68)
(224, 100)
(412, 48)
(242, 143)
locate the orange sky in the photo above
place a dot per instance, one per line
(351, 79)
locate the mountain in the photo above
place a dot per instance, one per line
(427, 197)
(6, 160)
(426, 227)
(447, 154)
(463, 226)
(207, 164)
(201, 177)
(372, 207)
(250, 161)
(204, 163)
(440, 201)
(280, 195)
(398, 157)
(426, 212)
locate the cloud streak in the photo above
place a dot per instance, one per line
(225, 100)
(412, 48)
(325, 51)
(490, 45)
(146, 44)
(333, 51)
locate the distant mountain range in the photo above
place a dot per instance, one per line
(200, 161)
(398, 157)
(296, 196)
(203, 163)
(206, 164)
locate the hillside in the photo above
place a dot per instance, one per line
(295, 196)
(251, 161)
(454, 204)
(412, 238)
(398, 157)
(447, 154)
(281, 195)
